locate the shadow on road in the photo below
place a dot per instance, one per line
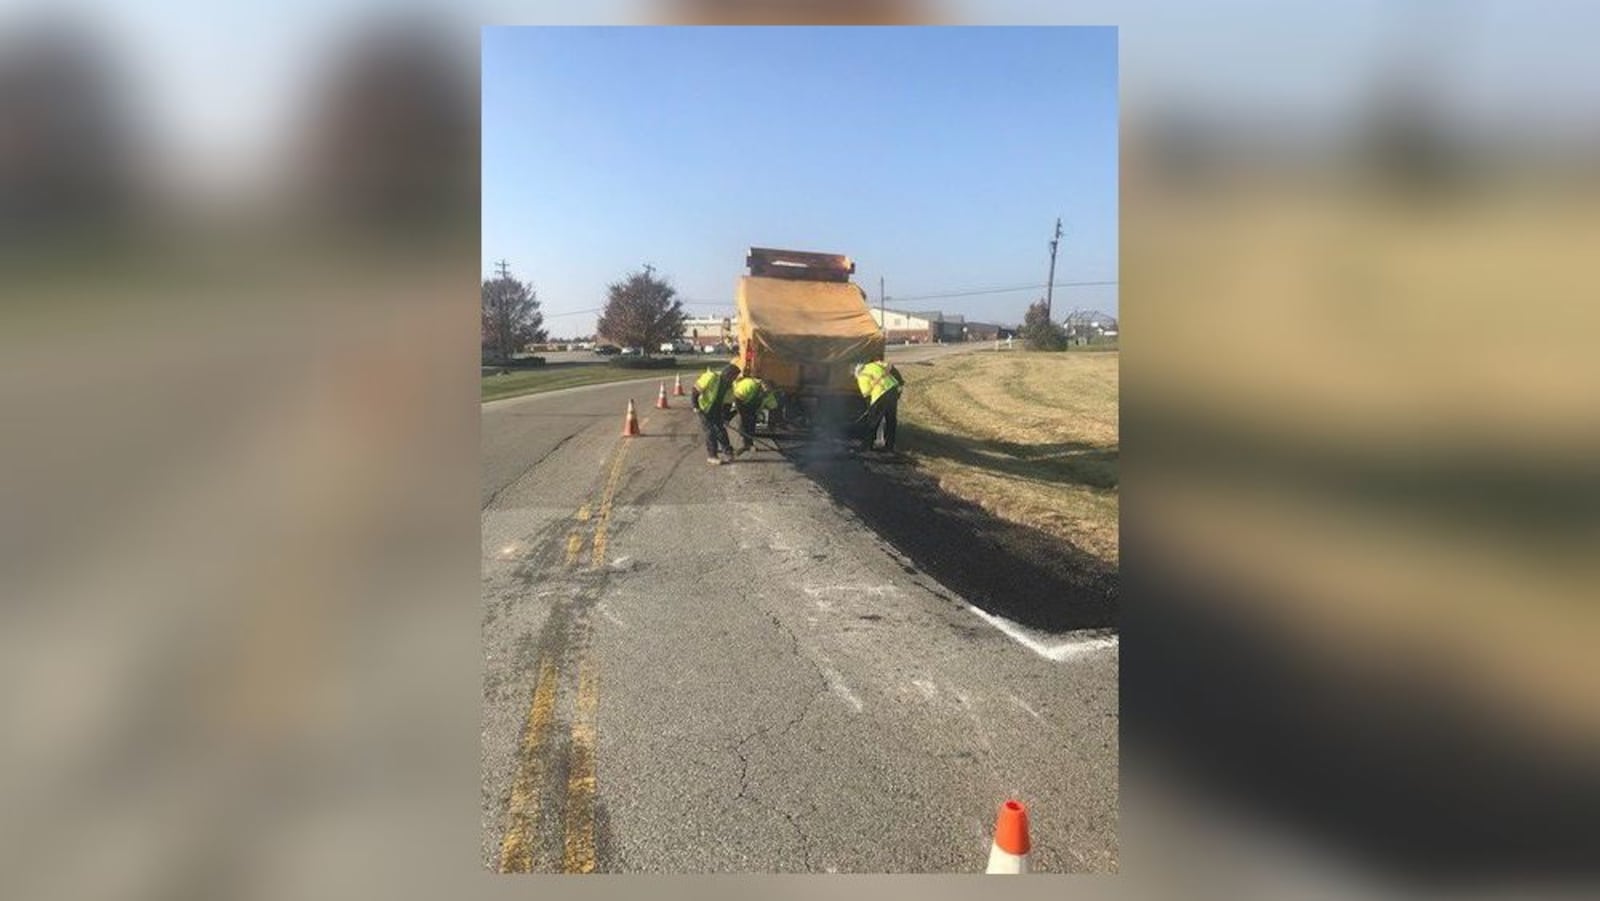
(1023, 574)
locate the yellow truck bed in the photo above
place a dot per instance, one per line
(805, 336)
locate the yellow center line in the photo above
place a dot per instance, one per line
(579, 825)
(517, 850)
(599, 557)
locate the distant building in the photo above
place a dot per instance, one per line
(980, 331)
(951, 327)
(1087, 326)
(709, 331)
(931, 326)
(947, 326)
(902, 327)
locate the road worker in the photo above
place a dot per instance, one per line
(880, 385)
(750, 396)
(710, 397)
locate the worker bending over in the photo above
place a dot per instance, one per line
(751, 396)
(880, 385)
(710, 397)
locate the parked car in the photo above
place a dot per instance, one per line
(606, 350)
(633, 351)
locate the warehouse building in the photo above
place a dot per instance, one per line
(903, 328)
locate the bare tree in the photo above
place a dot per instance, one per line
(642, 311)
(511, 317)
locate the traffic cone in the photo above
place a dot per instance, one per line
(661, 396)
(630, 426)
(1009, 854)
(677, 386)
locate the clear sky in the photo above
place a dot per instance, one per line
(938, 159)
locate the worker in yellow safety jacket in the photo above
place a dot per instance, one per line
(710, 397)
(880, 385)
(750, 396)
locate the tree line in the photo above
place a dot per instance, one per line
(641, 310)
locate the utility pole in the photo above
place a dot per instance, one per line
(503, 269)
(649, 270)
(1050, 286)
(883, 321)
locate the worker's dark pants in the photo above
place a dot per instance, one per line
(715, 425)
(884, 411)
(747, 425)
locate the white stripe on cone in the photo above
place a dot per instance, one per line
(1008, 853)
(1004, 863)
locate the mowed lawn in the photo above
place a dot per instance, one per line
(1031, 437)
(533, 381)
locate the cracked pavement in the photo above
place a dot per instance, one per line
(778, 689)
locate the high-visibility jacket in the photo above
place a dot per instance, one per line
(709, 390)
(753, 392)
(874, 380)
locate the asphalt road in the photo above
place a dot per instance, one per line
(704, 669)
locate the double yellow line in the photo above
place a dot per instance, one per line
(516, 849)
(519, 851)
(600, 519)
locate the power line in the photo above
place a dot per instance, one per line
(940, 295)
(976, 292)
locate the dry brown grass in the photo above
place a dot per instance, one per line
(1425, 354)
(1031, 437)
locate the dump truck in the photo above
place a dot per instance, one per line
(803, 326)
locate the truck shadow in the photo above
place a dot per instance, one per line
(1023, 574)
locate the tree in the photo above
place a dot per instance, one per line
(642, 311)
(1040, 331)
(511, 317)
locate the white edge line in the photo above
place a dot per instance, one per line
(1057, 652)
(575, 389)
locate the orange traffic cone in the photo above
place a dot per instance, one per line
(661, 396)
(677, 386)
(1009, 854)
(630, 426)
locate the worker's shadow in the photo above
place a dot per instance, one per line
(1012, 570)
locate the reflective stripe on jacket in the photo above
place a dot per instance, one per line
(708, 387)
(874, 381)
(751, 392)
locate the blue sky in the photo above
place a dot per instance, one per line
(938, 159)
